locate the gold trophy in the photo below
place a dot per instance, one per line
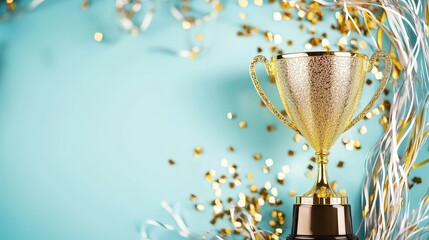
(320, 92)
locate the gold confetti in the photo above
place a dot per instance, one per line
(250, 176)
(98, 36)
(325, 42)
(215, 185)
(232, 169)
(272, 200)
(84, 4)
(231, 148)
(310, 167)
(230, 115)
(286, 169)
(363, 130)
(368, 115)
(343, 41)
(217, 208)
(277, 16)
(261, 201)
(356, 144)
(340, 164)
(269, 36)
(258, 2)
(287, 15)
(309, 174)
(209, 175)
(242, 124)
(224, 162)
(198, 150)
(292, 193)
(290, 43)
(258, 217)
(349, 145)
(256, 156)
(267, 185)
(297, 137)
(386, 92)
(243, 3)
(315, 41)
(186, 24)
(237, 182)
(199, 207)
(417, 180)
(305, 147)
(265, 169)
(241, 200)
(242, 16)
(193, 197)
(270, 128)
(384, 119)
(290, 153)
(342, 192)
(222, 179)
(269, 162)
(368, 82)
(199, 37)
(253, 188)
(376, 111)
(274, 191)
(281, 177)
(334, 184)
(171, 161)
(379, 75)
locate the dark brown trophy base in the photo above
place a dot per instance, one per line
(322, 222)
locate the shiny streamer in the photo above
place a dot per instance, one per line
(240, 216)
(182, 229)
(387, 213)
(129, 10)
(191, 20)
(180, 14)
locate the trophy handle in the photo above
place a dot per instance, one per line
(267, 102)
(381, 87)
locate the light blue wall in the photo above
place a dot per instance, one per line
(86, 128)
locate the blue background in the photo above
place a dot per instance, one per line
(87, 128)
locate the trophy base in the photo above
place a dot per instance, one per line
(322, 222)
(348, 237)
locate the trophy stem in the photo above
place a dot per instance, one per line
(322, 187)
(322, 175)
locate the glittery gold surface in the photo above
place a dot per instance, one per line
(320, 92)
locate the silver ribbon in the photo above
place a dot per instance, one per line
(129, 10)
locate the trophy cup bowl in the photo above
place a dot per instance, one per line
(320, 92)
